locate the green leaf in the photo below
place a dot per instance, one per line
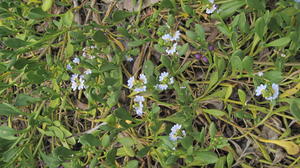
(230, 8)
(230, 160)
(295, 109)
(24, 100)
(100, 37)
(187, 142)
(126, 141)
(236, 63)
(111, 156)
(183, 49)
(7, 109)
(200, 32)
(273, 76)
(243, 24)
(214, 112)
(7, 133)
(260, 27)
(166, 61)
(242, 96)
(248, 63)
(212, 130)
(136, 43)
(119, 15)
(191, 35)
(206, 157)
(143, 151)
(122, 113)
(89, 139)
(67, 18)
(279, 42)
(132, 164)
(47, 4)
(5, 31)
(256, 4)
(37, 13)
(15, 43)
(105, 140)
(63, 152)
(148, 68)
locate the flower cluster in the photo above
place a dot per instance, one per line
(175, 133)
(268, 92)
(212, 8)
(138, 86)
(165, 81)
(170, 38)
(138, 106)
(77, 80)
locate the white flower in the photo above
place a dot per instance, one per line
(275, 91)
(176, 36)
(88, 71)
(81, 83)
(140, 89)
(76, 60)
(69, 67)
(163, 75)
(211, 10)
(139, 99)
(174, 132)
(259, 89)
(211, 1)
(77, 83)
(129, 59)
(74, 78)
(130, 82)
(260, 74)
(139, 110)
(171, 50)
(139, 105)
(161, 87)
(143, 78)
(167, 37)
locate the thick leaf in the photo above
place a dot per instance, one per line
(279, 42)
(7, 109)
(260, 27)
(7, 133)
(89, 139)
(295, 109)
(15, 43)
(132, 164)
(273, 76)
(47, 4)
(5, 31)
(37, 13)
(136, 43)
(119, 15)
(24, 100)
(67, 18)
(206, 157)
(122, 113)
(214, 112)
(100, 37)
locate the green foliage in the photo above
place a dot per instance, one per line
(208, 95)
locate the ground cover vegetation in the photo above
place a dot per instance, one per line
(149, 83)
